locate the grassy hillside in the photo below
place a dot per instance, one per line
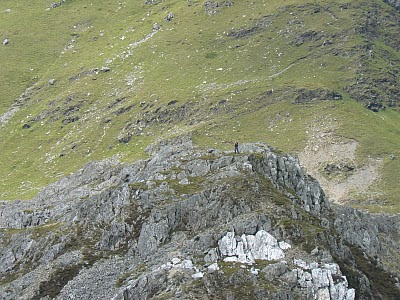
(224, 71)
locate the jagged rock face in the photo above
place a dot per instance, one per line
(248, 248)
(394, 3)
(285, 171)
(190, 223)
(326, 280)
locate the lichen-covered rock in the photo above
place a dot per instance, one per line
(325, 282)
(286, 172)
(169, 17)
(275, 270)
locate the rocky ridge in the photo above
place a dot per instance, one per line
(191, 222)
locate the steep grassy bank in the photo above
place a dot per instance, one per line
(244, 70)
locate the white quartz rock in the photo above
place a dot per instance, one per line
(323, 294)
(304, 279)
(227, 245)
(321, 277)
(320, 281)
(351, 294)
(231, 259)
(254, 271)
(197, 275)
(301, 263)
(262, 245)
(176, 260)
(187, 264)
(212, 268)
(284, 246)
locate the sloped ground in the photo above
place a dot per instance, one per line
(193, 223)
(106, 80)
(331, 159)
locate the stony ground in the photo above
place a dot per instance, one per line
(332, 160)
(192, 222)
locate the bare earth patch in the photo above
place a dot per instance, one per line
(331, 159)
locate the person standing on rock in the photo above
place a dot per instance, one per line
(236, 147)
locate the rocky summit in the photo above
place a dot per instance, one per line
(195, 223)
(119, 178)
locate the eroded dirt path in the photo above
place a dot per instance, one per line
(331, 159)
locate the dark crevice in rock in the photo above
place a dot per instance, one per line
(305, 95)
(262, 24)
(58, 280)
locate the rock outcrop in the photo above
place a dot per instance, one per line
(192, 222)
(394, 3)
(248, 248)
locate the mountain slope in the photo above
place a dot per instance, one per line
(193, 223)
(99, 79)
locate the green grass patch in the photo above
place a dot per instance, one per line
(194, 185)
(137, 186)
(262, 263)
(191, 76)
(229, 268)
(125, 276)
